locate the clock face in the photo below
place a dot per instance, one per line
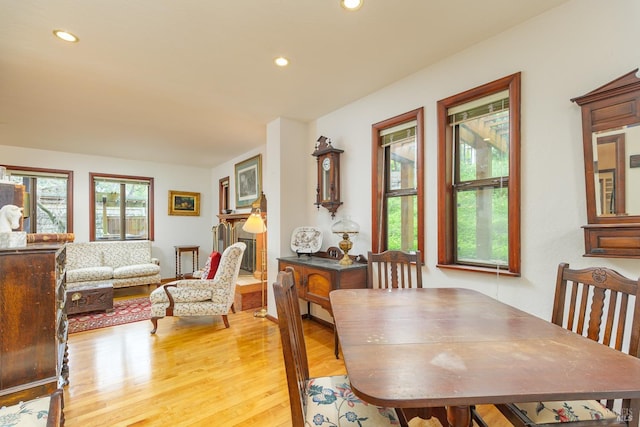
(326, 163)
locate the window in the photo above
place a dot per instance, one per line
(121, 207)
(479, 178)
(397, 183)
(48, 201)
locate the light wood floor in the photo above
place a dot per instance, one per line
(193, 372)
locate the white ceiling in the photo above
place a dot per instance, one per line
(192, 81)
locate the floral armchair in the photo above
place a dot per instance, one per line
(200, 297)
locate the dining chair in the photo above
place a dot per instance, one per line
(44, 411)
(319, 400)
(596, 303)
(392, 269)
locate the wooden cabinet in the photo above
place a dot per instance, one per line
(33, 322)
(316, 277)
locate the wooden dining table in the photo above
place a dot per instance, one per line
(454, 348)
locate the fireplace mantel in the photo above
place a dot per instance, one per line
(231, 218)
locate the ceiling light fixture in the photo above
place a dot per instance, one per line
(281, 61)
(351, 4)
(66, 36)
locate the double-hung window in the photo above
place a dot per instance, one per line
(479, 178)
(121, 207)
(397, 181)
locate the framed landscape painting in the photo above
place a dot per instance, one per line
(248, 177)
(184, 203)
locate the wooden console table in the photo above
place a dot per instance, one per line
(195, 258)
(317, 276)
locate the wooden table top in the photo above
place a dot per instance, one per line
(439, 347)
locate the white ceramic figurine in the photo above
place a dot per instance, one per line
(9, 218)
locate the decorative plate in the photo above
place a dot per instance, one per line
(306, 240)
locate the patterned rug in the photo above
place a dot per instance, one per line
(124, 311)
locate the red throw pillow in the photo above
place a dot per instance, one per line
(211, 266)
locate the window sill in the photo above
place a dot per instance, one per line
(477, 269)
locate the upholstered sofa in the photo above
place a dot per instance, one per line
(127, 263)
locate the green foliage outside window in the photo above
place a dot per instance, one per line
(395, 223)
(482, 211)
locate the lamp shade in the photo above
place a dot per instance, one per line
(255, 224)
(345, 225)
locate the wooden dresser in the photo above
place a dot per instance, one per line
(33, 323)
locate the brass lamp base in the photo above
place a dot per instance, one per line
(345, 245)
(345, 260)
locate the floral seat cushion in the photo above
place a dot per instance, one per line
(26, 414)
(331, 403)
(136, 270)
(91, 273)
(565, 411)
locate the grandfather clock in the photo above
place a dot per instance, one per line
(328, 189)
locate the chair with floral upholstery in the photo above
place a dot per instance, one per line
(593, 302)
(200, 297)
(320, 401)
(45, 411)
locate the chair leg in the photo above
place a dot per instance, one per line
(154, 320)
(233, 308)
(402, 418)
(335, 343)
(225, 319)
(475, 416)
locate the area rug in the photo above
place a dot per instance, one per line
(124, 311)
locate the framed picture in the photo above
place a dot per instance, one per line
(184, 203)
(248, 181)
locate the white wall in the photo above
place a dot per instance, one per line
(169, 230)
(562, 54)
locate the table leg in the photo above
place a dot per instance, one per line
(459, 416)
(194, 256)
(178, 267)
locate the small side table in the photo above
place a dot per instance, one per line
(195, 258)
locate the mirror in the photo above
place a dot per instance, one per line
(616, 175)
(611, 142)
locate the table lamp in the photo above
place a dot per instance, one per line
(255, 225)
(344, 228)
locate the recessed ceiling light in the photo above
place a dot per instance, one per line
(351, 4)
(281, 61)
(65, 35)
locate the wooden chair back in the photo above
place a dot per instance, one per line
(596, 302)
(392, 269)
(293, 345)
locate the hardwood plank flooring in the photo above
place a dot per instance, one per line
(193, 372)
